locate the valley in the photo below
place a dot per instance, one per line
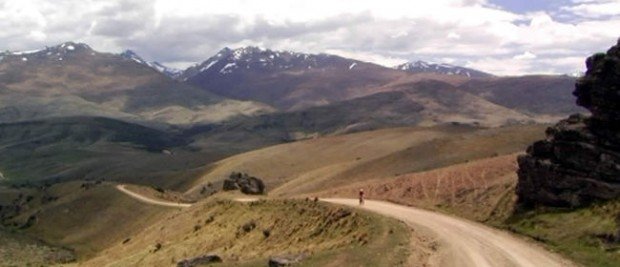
(113, 160)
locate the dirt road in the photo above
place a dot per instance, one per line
(151, 201)
(462, 242)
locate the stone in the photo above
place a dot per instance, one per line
(252, 186)
(247, 184)
(200, 260)
(230, 185)
(579, 161)
(286, 260)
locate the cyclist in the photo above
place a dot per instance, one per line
(361, 196)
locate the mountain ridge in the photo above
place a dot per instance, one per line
(420, 66)
(171, 72)
(71, 79)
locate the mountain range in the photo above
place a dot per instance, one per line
(72, 79)
(241, 99)
(108, 158)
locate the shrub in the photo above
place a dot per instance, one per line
(266, 233)
(248, 226)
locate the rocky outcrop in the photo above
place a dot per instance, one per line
(247, 184)
(579, 162)
(199, 261)
(286, 260)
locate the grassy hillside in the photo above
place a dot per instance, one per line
(590, 235)
(84, 216)
(339, 160)
(247, 234)
(19, 250)
(534, 94)
(423, 103)
(483, 190)
(480, 190)
(96, 148)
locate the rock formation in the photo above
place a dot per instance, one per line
(286, 260)
(247, 184)
(579, 162)
(200, 260)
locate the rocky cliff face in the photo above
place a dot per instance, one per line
(579, 162)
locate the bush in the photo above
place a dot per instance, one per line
(158, 189)
(248, 226)
(266, 233)
(157, 247)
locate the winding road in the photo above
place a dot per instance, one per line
(151, 201)
(462, 243)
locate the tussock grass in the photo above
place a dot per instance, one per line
(20, 250)
(236, 232)
(580, 234)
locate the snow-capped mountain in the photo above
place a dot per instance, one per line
(170, 72)
(255, 59)
(284, 79)
(441, 68)
(51, 53)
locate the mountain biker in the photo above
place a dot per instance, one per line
(361, 196)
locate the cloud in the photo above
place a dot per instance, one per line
(183, 32)
(454, 36)
(525, 56)
(594, 8)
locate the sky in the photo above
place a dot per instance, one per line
(503, 37)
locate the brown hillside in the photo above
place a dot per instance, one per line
(340, 160)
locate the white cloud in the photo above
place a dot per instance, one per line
(179, 32)
(594, 8)
(454, 36)
(525, 56)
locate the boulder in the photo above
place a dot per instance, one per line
(200, 260)
(247, 184)
(579, 161)
(230, 185)
(286, 260)
(252, 186)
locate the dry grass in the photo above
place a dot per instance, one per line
(329, 162)
(19, 250)
(235, 232)
(479, 190)
(279, 164)
(87, 220)
(483, 190)
(584, 235)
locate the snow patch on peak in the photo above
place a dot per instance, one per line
(440, 68)
(420, 64)
(228, 68)
(353, 65)
(171, 72)
(21, 53)
(209, 65)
